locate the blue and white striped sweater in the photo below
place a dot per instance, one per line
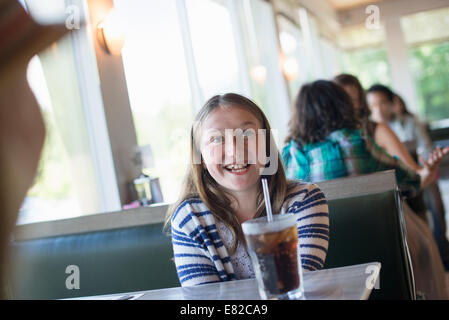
(201, 256)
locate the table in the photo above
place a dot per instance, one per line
(345, 283)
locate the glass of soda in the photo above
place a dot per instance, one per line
(274, 250)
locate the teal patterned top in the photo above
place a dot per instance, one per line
(345, 152)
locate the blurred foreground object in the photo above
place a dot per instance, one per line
(22, 129)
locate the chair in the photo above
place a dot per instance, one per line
(366, 225)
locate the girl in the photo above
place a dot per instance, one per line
(223, 189)
(408, 128)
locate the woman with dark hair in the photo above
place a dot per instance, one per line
(399, 107)
(311, 122)
(355, 90)
(380, 99)
(325, 142)
(408, 128)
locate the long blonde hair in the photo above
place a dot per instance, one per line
(199, 183)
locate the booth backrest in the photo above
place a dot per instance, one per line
(109, 261)
(366, 225)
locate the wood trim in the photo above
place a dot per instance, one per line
(91, 223)
(333, 189)
(359, 185)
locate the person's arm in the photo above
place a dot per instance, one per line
(430, 165)
(313, 226)
(379, 160)
(387, 139)
(193, 263)
(423, 141)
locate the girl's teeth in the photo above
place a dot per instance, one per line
(237, 168)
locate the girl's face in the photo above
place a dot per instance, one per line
(380, 106)
(354, 95)
(398, 107)
(229, 146)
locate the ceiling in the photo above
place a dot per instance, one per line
(347, 4)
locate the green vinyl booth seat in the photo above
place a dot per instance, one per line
(371, 228)
(109, 261)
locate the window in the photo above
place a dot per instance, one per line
(53, 191)
(370, 65)
(177, 54)
(293, 46)
(214, 47)
(364, 55)
(313, 31)
(329, 58)
(268, 85)
(75, 174)
(428, 50)
(65, 185)
(158, 87)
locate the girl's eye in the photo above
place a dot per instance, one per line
(249, 133)
(217, 139)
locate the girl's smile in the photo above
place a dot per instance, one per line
(238, 169)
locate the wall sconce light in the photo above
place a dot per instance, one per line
(259, 74)
(110, 33)
(288, 42)
(290, 68)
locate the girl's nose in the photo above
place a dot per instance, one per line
(230, 147)
(235, 148)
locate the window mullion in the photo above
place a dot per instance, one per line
(195, 88)
(96, 126)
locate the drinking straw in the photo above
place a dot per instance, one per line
(266, 195)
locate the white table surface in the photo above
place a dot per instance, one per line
(345, 283)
